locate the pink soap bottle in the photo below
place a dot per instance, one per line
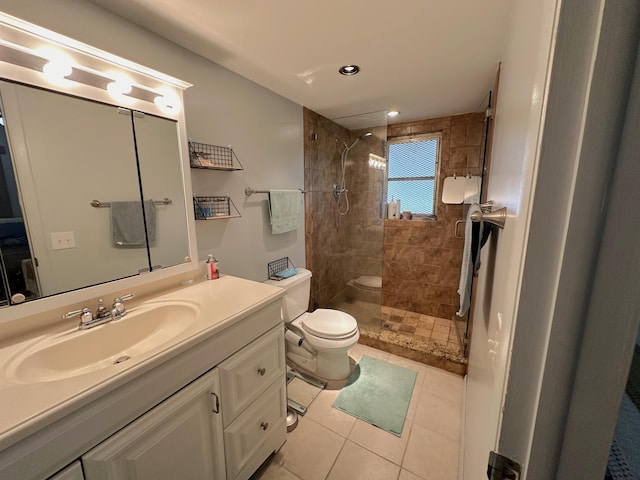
(212, 268)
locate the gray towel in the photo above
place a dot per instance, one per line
(127, 223)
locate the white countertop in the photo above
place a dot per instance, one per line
(27, 407)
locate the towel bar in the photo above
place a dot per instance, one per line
(99, 204)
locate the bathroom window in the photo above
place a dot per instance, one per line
(412, 173)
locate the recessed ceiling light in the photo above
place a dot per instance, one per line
(392, 113)
(349, 70)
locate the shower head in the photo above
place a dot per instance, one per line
(361, 137)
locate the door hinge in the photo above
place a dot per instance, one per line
(502, 468)
(215, 403)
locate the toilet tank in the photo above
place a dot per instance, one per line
(296, 300)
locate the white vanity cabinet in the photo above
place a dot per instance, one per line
(72, 472)
(180, 438)
(235, 412)
(254, 403)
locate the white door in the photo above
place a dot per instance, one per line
(180, 438)
(563, 94)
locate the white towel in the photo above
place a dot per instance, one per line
(472, 190)
(467, 270)
(285, 210)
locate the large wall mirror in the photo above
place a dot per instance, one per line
(59, 155)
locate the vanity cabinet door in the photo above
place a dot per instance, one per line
(179, 439)
(72, 472)
(259, 431)
(249, 372)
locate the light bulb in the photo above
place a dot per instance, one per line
(168, 102)
(58, 67)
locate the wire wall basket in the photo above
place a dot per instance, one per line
(213, 157)
(278, 266)
(214, 207)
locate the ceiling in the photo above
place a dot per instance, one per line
(424, 58)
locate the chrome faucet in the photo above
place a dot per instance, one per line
(118, 309)
(102, 315)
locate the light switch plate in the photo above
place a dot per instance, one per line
(62, 240)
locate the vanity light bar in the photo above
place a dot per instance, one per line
(129, 87)
(124, 90)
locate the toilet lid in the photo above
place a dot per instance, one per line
(330, 324)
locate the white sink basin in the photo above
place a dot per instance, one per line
(79, 352)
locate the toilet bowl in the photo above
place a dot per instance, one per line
(317, 342)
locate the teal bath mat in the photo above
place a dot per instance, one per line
(378, 393)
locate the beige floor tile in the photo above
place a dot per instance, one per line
(430, 455)
(438, 414)
(443, 322)
(413, 404)
(423, 332)
(445, 384)
(441, 329)
(310, 450)
(380, 442)
(407, 475)
(321, 411)
(355, 463)
(274, 470)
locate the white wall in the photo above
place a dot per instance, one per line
(222, 108)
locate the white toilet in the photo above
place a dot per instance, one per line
(316, 342)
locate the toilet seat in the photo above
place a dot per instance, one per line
(330, 324)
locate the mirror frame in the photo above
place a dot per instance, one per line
(22, 36)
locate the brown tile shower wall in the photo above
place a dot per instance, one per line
(326, 244)
(421, 268)
(339, 248)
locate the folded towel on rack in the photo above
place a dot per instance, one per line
(468, 268)
(127, 223)
(285, 210)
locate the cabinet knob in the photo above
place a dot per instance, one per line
(264, 425)
(262, 371)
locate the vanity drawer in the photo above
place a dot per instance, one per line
(249, 372)
(258, 432)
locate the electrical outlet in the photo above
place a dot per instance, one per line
(62, 240)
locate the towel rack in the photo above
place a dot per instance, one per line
(250, 191)
(99, 204)
(499, 217)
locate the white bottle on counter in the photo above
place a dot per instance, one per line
(392, 209)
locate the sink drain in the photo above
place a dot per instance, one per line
(121, 359)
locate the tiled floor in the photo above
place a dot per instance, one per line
(423, 338)
(439, 331)
(330, 444)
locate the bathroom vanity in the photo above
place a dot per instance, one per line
(190, 383)
(208, 402)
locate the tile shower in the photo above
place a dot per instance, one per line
(418, 260)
